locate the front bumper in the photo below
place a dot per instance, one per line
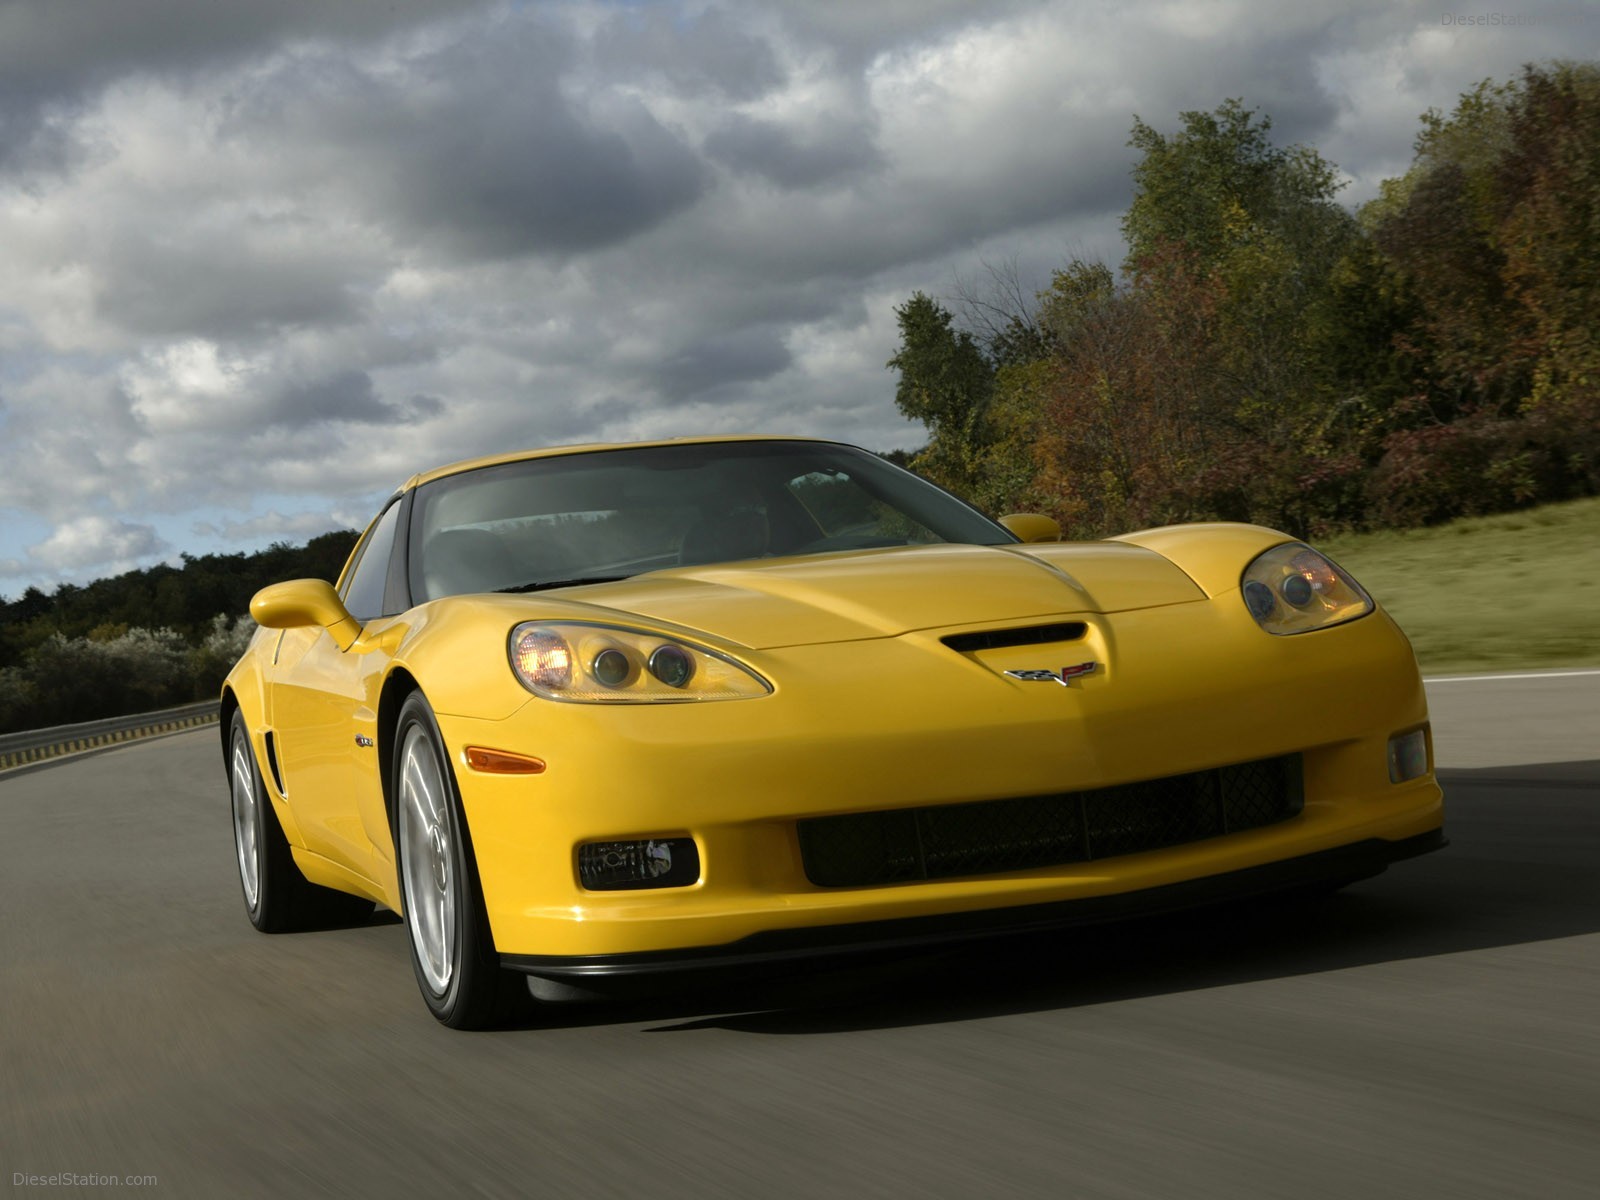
(908, 722)
(821, 944)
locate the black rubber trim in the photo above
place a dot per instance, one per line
(782, 946)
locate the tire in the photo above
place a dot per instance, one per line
(277, 897)
(452, 950)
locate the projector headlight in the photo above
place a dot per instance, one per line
(608, 664)
(1293, 589)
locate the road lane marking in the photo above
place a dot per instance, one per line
(1486, 678)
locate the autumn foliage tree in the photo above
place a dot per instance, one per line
(1492, 234)
(1194, 391)
(1267, 355)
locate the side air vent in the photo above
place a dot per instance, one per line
(272, 763)
(1029, 635)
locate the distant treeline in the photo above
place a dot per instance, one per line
(1267, 355)
(142, 640)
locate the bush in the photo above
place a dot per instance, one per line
(79, 679)
(1482, 463)
(115, 671)
(210, 662)
(18, 701)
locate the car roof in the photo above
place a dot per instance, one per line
(492, 460)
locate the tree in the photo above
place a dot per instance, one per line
(1550, 179)
(1221, 213)
(185, 598)
(1125, 428)
(1491, 234)
(1002, 314)
(1268, 356)
(1259, 218)
(947, 384)
(1220, 188)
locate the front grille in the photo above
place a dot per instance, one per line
(944, 841)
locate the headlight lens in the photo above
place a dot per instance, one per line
(1293, 589)
(609, 664)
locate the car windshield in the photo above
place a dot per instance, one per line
(602, 515)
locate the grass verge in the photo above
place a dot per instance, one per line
(1489, 593)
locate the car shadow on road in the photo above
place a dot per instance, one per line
(1520, 868)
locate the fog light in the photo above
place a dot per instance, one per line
(1408, 755)
(656, 863)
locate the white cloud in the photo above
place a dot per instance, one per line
(104, 543)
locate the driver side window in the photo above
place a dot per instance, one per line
(363, 593)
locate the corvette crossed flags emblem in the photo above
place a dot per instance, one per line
(1064, 677)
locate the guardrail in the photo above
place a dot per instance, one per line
(32, 745)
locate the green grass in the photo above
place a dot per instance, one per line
(1489, 593)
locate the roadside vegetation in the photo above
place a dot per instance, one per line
(1489, 593)
(143, 640)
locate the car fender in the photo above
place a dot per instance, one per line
(1213, 554)
(245, 690)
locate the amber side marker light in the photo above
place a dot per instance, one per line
(503, 762)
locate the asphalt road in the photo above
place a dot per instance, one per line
(1433, 1032)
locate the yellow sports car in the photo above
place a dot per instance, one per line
(586, 714)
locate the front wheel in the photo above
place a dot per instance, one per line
(452, 951)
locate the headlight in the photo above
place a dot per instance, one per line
(572, 660)
(1293, 589)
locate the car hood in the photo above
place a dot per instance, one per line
(768, 603)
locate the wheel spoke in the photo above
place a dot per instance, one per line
(427, 860)
(246, 822)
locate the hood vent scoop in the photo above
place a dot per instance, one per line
(1027, 635)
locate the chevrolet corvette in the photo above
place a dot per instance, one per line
(600, 713)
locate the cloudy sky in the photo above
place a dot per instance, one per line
(261, 260)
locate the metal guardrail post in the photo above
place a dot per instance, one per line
(34, 745)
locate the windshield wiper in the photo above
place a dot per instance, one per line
(545, 584)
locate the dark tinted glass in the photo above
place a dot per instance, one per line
(615, 513)
(363, 594)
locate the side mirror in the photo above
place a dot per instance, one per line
(301, 603)
(1032, 527)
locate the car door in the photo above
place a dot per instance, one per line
(324, 712)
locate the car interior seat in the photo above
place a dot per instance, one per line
(725, 537)
(459, 561)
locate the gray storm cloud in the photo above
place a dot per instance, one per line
(263, 253)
